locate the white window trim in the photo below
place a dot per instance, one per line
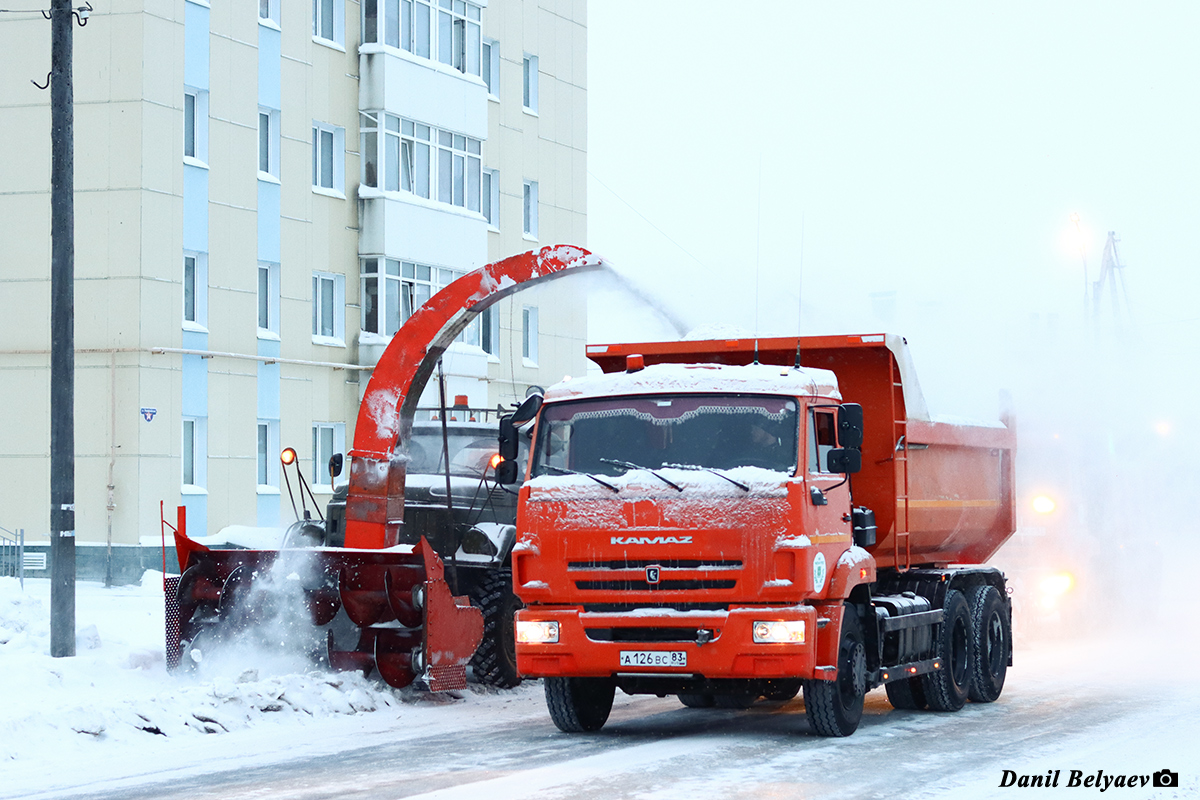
(339, 311)
(339, 27)
(272, 331)
(529, 221)
(271, 21)
(529, 71)
(494, 65)
(199, 455)
(200, 159)
(339, 159)
(200, 324)
(320, 462)
(494, 192)
(529, 336)
(273, 142)
(271, 457)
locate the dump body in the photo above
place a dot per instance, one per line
(942, 492)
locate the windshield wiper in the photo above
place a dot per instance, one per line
(697, 468)
(616, 462)
(565, 471)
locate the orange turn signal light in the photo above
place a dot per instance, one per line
(495, 461)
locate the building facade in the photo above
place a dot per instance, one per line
(263, 194)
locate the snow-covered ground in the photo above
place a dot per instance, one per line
(112, 722)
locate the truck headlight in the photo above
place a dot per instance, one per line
(779, 631)
(530, 632)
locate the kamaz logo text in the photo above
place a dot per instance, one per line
(651, 540)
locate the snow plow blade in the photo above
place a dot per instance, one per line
(407, 623)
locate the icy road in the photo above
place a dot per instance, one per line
(1089, 707)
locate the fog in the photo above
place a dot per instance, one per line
(914, 168)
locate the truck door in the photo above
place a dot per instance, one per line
(829, 493)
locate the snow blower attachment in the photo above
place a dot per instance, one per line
(371, 594)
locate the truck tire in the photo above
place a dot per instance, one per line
(906, 693)
(993, 636)
(579, 705)
(495, 661)
(696, 700)
(954, 646)
(834, 708)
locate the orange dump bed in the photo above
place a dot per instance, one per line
(942, 492)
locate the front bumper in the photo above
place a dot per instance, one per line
(590, 644)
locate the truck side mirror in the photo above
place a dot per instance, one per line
(843, 460)
(335, 465)
(850, 427)
(506, 470)
(527, 410)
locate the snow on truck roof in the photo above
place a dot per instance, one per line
(702, 378)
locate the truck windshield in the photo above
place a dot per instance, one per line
(712, 431)
(470, 452)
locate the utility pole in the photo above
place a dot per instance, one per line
(62, 333)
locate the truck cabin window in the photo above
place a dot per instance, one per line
(708, 431)
(822, 437)
(470, 451)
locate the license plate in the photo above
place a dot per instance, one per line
(653, 658)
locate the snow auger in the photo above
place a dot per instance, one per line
(375, 593)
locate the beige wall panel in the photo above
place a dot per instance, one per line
(27, 131)
(160, 328)
(26, 309)
(106, 313)
(107, 233)
(563, 44)
(25, 232)
(567, 193)
(122, 69)
(162, 62)
(159, 387)
(162, 148)
(28, 505)
(161, 247)
(25, 41)
(25, 385)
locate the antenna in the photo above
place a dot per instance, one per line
(757, 249)
(800, 292)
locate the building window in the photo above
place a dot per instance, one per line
(268, 454)
(530, 213)
(392, 290)
(328, 157)
(195, 291)
(529, 335)
(445, 30)
(268, 300)
(529, 83)
(490, 66)
(268, 11)
(328, 309)
(407, 156)
(328, 438)
(329, 20)
(193, 453)
(490, 198)
(268, 143)
(195, 124)
(489, 331)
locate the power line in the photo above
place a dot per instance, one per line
(647, 220)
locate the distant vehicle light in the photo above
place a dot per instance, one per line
(1058, 585)
(495, 461)
(1043, 504)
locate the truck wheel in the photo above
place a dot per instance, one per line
(906, 693)
(737, 700)
(993, 635)
(578, 705)
(495, 662)
(835, 707)
(696, 700)
(946, 688)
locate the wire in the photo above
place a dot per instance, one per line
(647, 220)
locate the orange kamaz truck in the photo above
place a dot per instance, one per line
(735, 519)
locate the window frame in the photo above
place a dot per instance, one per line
(529, 84)
(489, 57)
(489, 197)
(385, 138)
(337, 24)
(266, 459)
(320, 460)
(270, 304)
(193, 438)
(337, 138)
(199, 322)
(529, 210)
(271, 140)
(198, 127)
(271, 20)
(529, 335)
(338, 308)
(404, 280)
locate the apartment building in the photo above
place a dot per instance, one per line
(263, 195)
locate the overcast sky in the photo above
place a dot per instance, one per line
(908, 166)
